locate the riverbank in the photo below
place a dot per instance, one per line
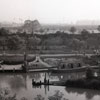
(19, 58)
(15, 59)
(72, 70)
(12, 71)
(84, 83)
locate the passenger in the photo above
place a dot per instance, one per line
(48, 81)
(32, 80)
(40, 82)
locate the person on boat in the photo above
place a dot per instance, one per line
(63, 66)
(33, 82)
(48, 82)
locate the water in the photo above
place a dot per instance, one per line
(21, 84)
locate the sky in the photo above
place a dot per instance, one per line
(49, 11)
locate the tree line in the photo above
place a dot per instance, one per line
(59, 40)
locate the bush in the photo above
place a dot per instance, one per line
(84, 83)
(89, 73)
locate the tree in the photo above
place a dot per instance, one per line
(1, 43)
(84, 32)
(53, 41)
(72, 29)
(33, 42)
(15, 42)
(98, 28)
(76, 44)
(3, 32)
(93, 43)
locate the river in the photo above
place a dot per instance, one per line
(21, 85)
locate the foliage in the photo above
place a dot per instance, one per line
(73, 29)
(57, 41)
(98, 28)
(53, 41)
(14, 42)
(85, 34)
(76, 44)
(1, 42)
(91, 61)
(94, 83)
(93, 43)
(89, 82)
(33, 42)
(3, 32)
(89, 73)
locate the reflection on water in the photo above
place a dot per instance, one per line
(21, 84)
(88, 94)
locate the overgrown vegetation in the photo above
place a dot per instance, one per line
(84, 83)
(89, 82)
(59, 41)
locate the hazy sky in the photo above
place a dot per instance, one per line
(49, 11)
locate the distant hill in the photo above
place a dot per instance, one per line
(88, 22)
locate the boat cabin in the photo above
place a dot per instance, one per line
(70, 63)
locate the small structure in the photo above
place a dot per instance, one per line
(70, 63)
(38, 64)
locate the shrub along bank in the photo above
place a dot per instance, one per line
(89, 82)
